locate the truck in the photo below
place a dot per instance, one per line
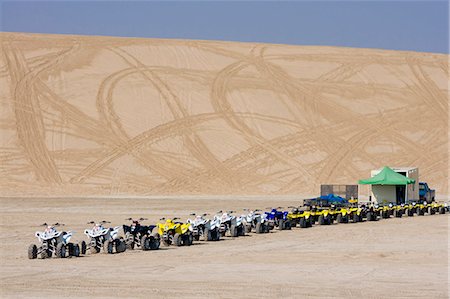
(425, 193)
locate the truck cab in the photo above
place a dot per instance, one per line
(425, 193)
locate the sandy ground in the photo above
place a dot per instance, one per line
(90, 116)
(396, 258)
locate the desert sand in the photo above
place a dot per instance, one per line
(121, 116)
(394, 258)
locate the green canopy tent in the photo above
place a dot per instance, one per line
(387, 176)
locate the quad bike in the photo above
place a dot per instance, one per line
(398, 210)
(324, 216)
(384, 212)
(355, 214)
(300, 216)
(101, 237)
(409, 209)
(342, 215)
(141, 235)
(53, 242)
(256, 221)
(439, 208)
(372, 212)
(436, 208)
(205, 229)
(278, 219)
(212, 230)
(421, 208)
(175, 233)
(231, 224)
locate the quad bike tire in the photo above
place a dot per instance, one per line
(145, 243)
(287, 225)
(303, 223)
(130, 241)
(321, 220)
(60, 250)
(83, 247)
(355, 218)
(154, 241)
(94, 249)
(121, 246)
(339, 218)
(406, 212)
(207, 235)
(259, 228)
(430, 211)
(420, 212)
(32, 252)
(45, 254)
(280, 224)
(108, 247)
(248, 229)
(233, 231)
(441, 210)
(177, 240)
(188, 240)
(75, 250)
(216, 235)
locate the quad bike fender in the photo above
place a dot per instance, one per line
(67, 236)
(114, 232)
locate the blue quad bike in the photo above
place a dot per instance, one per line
(278, 219)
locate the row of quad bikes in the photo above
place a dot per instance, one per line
(171, 232)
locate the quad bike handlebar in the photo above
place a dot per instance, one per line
(55, 224)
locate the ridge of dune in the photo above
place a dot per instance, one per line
(84, 115)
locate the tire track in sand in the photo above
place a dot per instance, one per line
(30, 128)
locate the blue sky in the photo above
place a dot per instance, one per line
(400, 25)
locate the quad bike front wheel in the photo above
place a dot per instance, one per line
(120, 245)
(60, 250)
(233, 231)
(129, 240)
(303, 222)
(355, 218)
(145, 243)
(177, 239)
(207, 235)
(83, 247)
(74, 249)
(108, 247)
(280, 224)
(32, 251)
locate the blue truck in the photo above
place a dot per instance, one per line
(425, 193)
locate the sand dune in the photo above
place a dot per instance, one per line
(114, 116)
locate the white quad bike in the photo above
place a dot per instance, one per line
(231, 224)
(101, 237)
(205, 229)
(53, 242)
(254, 220)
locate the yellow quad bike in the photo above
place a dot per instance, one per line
(355, 214)
(175, 233)
(325, 216)
(384, 212)
(301, 217)
(421, 209)
(342, 215)
(398, 211)
(439, 208)
(371, 212)
(436, 208)
(409, 209)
